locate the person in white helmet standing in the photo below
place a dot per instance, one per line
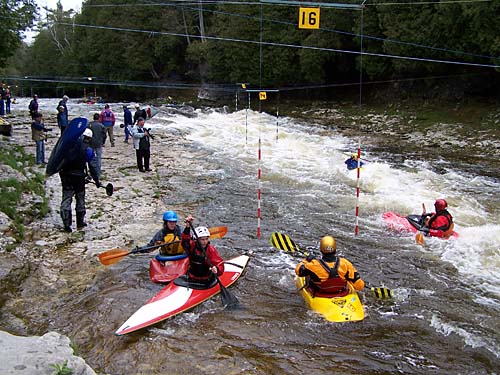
(204, 259)
(73, 178)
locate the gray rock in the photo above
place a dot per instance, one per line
(35, 355)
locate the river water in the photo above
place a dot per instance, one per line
(443, 318)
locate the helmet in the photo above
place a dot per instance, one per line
(65, 97)
(440, 205)
(328, 245)
(87, 133)
(354, 156)
(170, 216)
(202, 232)
(137, 106)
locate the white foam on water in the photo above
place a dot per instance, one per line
(470, 338)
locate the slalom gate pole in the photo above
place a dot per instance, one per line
(356, 229)
(277, 116)
(246, 119)
(259, 175)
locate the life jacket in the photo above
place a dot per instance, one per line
(172, 249)
(107, 116)
(443, 228)
(334, 285)
(198, 268)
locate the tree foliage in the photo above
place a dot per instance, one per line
(15, 17)
(120, 41)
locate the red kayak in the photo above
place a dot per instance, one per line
(164, 269)
(408, 224)
(181, 295)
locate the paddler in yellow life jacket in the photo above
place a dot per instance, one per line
(169, 233)
(329, 275)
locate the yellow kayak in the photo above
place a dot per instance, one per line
(335, 309)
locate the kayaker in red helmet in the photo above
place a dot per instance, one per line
(330, 274)
(439, 223)
(204, 259)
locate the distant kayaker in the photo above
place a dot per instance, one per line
(439, 223)
(352, 162)
(169, 233)
(204, 259)
(330, 274)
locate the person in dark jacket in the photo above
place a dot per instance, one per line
(98, 139)
(62, 103)
(204, 259)
(128, 122)
(62, 119)
(33, 106)
(331, 274)
(39, 135)
(169, 233)
(139, 113)
(73, 177)
(141, 138)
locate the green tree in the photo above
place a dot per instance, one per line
(15, 17)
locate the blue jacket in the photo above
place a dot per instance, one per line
(353, 164)
(127, 117)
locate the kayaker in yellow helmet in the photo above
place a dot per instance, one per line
(330, 274)
(352, 162)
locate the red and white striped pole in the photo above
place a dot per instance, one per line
(356, 230)
(259, 175)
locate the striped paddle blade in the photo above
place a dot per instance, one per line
(283, 242)
(381, 293)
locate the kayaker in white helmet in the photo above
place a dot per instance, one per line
(330, 274)
(204, 259)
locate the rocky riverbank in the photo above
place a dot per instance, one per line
(46, 256)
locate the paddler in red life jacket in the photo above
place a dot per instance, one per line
(204, 260)
(440, 223)
(329, 275)
(169, 233)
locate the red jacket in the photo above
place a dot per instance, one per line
(190, 247)
(440, 223)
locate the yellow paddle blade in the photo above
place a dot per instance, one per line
(283, 242)
(381, 293)
(112, 256)
(419, 238)
(217, 232)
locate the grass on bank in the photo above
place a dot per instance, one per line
(12, 191)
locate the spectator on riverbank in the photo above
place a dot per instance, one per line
(39, 135)
(33, 106)
(128, 122)
(62, 119)
(107, 118)
(141, 138)
(98, 139)
(139, 113)
(62, 103)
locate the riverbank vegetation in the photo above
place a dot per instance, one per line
(125, 51)
(22, 191)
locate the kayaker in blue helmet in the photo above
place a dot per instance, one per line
(204, 259)
(352, 162)
(169, 233)
(330, 274)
